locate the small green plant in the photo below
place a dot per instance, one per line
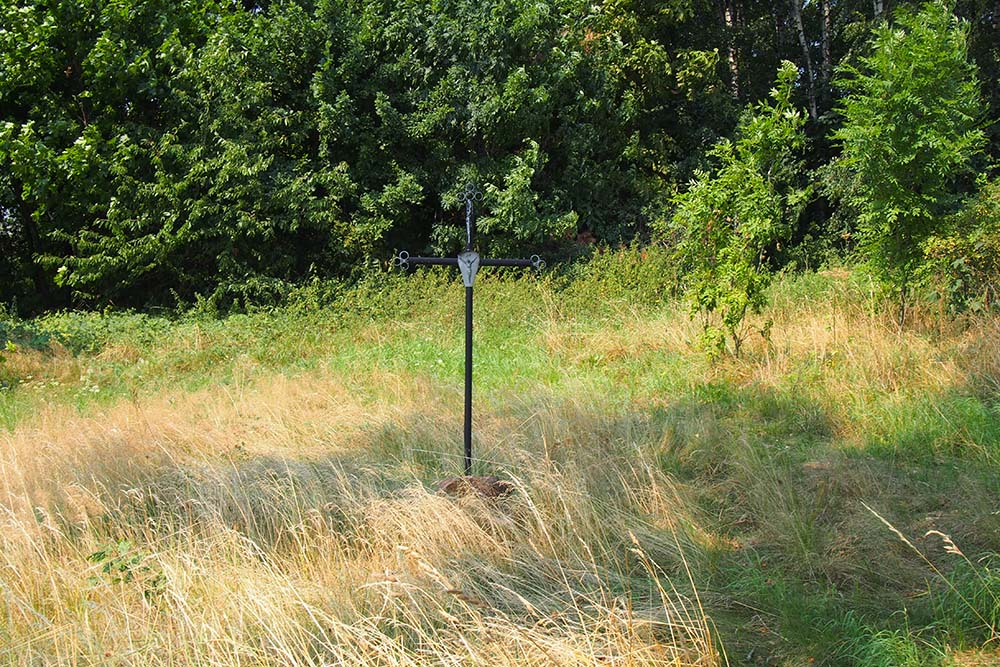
(23, 333)
(731, 222)
(122, 563)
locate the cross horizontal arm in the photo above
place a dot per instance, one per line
(437, 261)
(452, 261)
(403, 260)
(507, 262)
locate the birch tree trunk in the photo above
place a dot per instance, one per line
(827, 67)
(807, 59)
(729, 19)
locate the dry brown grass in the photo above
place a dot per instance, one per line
(27, 366)
(260, 529)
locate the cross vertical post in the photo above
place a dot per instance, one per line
(467, 429)
(468, 263)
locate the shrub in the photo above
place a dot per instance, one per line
(910, 131)
(730, 222)
(963, 266)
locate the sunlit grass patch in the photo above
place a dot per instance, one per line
(226, 536)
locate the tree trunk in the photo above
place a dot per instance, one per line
(729, 20)
(807, 59)
(879, 7)
(827, 68)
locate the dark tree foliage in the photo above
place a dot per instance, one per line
(154, 151)
(983, 17)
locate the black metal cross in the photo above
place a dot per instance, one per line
(468, 262)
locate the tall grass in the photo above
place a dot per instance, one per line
(279, 524)
(259, 489)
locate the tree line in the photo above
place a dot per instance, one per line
(153, 152)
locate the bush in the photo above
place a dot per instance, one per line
(963, 266)
(731, 222)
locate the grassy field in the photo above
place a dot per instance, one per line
(259, 489)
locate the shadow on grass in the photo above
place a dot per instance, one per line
(812, 570)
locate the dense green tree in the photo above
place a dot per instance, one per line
(569, 114)
(911, 127)
(79, 82)
(155, 150)
(228, 193)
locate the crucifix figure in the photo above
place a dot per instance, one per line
(468, 262)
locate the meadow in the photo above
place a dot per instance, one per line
(259, 489)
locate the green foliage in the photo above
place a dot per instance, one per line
(122, 563)
(730, 222)
(963, 264)
(519, 218)
(158, 153)
(15, 332)
(641, 276)
(231, 190)
(911, 128)
(152, 152)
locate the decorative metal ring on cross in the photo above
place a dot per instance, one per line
(471, 193)
(402, 260)
(537, 263)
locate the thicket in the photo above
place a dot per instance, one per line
(156, 153)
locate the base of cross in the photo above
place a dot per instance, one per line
(485, 487)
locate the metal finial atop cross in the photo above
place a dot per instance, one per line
(469, 195)
(469, 263)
